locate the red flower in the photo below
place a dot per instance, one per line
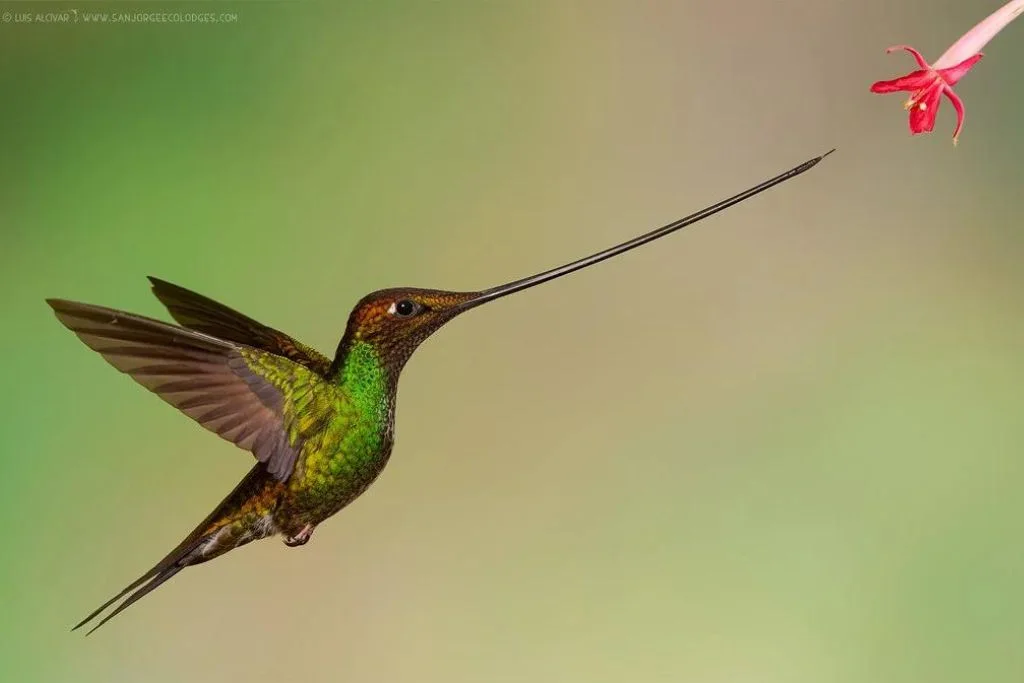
(928, 85)
(932, 81)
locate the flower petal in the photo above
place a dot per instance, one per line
(959, 106)
(915, 80)
(924, 110)
(954, 73)
(917, 55)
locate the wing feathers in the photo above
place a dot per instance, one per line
(205, 315)
(205, 377)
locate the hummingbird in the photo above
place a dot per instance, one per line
(321, 429)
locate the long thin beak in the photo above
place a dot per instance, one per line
(527, 282)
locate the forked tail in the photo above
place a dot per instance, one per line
(238, 515)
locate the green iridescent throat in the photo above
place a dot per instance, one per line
(364, 380)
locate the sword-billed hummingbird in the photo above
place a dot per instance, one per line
(321, 429)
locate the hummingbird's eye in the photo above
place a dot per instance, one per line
(404, 308)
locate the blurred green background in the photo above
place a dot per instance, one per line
(783, 446)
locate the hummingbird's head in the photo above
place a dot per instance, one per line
(396, 321)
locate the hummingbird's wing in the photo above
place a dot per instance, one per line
(247, 396)
(203, 314)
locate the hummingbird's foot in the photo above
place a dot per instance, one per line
(300, 538)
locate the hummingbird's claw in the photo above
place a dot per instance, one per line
(300, 538)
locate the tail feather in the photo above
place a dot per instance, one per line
(180, 558)
(196, 548)
(153, 584)
(132, 586)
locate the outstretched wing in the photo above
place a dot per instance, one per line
(203, 314)
(243, 394)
